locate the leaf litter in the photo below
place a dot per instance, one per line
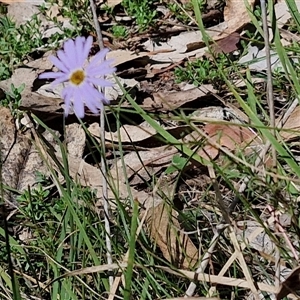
(145, 156)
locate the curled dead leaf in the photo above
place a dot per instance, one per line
(164, 229)
(227, 44)
(230, 136)
(291, 127)
(236, 14)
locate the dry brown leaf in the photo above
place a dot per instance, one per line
(123, 56)
(236, 14)
(22, 11)
(112, 3)
(227, 44)
(292, 124)
(208, 152)
(20, 76)
(164, 229)
(90, 176)
(282, 12)
(40, 105)
(18, 166)
(290, 285)
(75, 140)
(144, 136)
(172, 100)
(141, 166)
(229, 136)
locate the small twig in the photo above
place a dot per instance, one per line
(97, 25)
(281, 230)
(103, 163)
(191, 289)
(243, 264)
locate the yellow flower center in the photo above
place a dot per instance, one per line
(77, 77)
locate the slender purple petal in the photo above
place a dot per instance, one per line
(92, 96)
(100, 73)
(58, 64)
(79, 44)
(97, 96)
(99, 57)
(89, 101)
(105, 66)
(97, 103)
(100, 82)
(67, 95)
(93, 92)
(65, 59)
(78, 106)
(87, 47)
(69, 48)
(61, 79)
(49, 75)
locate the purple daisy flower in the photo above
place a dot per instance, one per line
(81, 77)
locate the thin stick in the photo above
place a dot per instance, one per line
(192, 287)
(103, 164)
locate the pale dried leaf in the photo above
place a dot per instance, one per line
(255, 59)
(164, 229)
(22, 11)
(20, 76)
(254, 235)
(28, 173)
(123, 56)
(114, 92)
(141, 166)
(15, 146)
(142, 134)
(112, 3)
(91, 176)
(42, 63)
(291, 128)
(39, 104)
(166, 101)
(229, 136)
(282, 12)
(132, 133)
(75, 140)
(236, 14)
